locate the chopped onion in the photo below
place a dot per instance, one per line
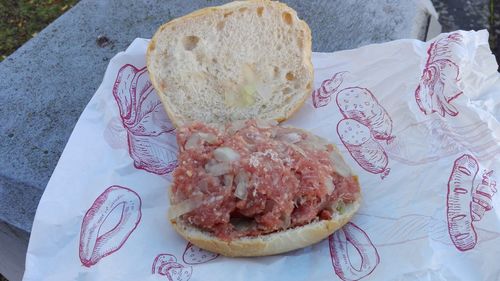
(215, 199)
(330, 187)
(235, 126)
(226, 154)
(228, 180)
(195, 139)
(241, 185)
(265, 124)
(340, 207)
(184, 207)
(316, 143)
(339, 164)
(218, 169)
(218, 126)
(298, 149)
(241, 191)
(287, 221)
(290, 137)
(208, 137)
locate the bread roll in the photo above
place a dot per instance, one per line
(242, 60)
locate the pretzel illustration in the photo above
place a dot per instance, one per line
(95, 245)
(341, 257)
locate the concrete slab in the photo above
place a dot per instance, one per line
(46, 84)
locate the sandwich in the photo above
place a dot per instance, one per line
(245, 185)
(252, 188)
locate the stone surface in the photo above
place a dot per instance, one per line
(46, 83)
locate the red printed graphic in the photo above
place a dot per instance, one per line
(322, 95)
(167, 265)
(483, 195)
(361, 105)
(466, 203)
(439, 82)
(95, 245)
(150, 134)
(194, 255)
(367, 152)
(365, 126)
(343, 260)
(162, 259)
(434, 139)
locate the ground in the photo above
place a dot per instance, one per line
(23, 19)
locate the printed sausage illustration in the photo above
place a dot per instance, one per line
(482, 196)
(150, 136)
(342, 258)
(95, 245)
(459, 199)
(368, 153)
(194, 255)
(167, 265)
(439, 82)
(361, 105)
(322, 96)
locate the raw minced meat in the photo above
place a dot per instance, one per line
(253, 177)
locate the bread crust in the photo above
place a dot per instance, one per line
(270, 244)
(178, 119)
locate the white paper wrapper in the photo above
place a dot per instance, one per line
(417, 121)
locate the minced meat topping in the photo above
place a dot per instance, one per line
(253, 177)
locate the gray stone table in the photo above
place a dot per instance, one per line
(45, 85)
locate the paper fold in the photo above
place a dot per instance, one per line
(417, 121)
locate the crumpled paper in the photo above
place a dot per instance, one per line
(417, 121)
